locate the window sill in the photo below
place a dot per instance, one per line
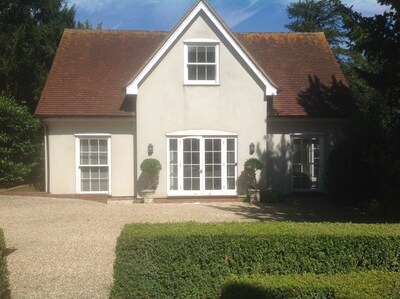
(201, 84)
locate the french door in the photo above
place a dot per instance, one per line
(202, 166)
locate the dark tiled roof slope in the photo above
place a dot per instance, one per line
(305, 70)
(91, 69)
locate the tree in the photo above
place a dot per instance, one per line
(326, 16)
(20, 147)
(367, 172)
(30, 32)
(88, 26)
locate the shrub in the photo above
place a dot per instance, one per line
(20, 143)
(188, 260)
(276, 286)
(150, 168)
(250, 168)
(360, 285)
(3, 267)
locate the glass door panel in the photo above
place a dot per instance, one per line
(213, 164)
(191, 164)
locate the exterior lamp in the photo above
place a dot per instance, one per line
(150, 149)
(251, 148)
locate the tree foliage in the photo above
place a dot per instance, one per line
(30, 32)
(367, 171)
(20, 149)
(326, 16)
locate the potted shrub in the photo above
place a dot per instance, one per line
(150, 170)
(251, 166)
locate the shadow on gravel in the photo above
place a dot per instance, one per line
(300, 210)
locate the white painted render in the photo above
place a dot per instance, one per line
(62, 154)
(201, 8)
(165, 104)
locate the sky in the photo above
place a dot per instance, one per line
(162, 15)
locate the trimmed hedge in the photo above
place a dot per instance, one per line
(188, 260)
(356, 285)
(3, 266)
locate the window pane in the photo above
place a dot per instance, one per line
(217, 184)
(104, 172)
(104, 185)
(187, 158)
(208, 158)
(208, 144)
(173, 145)
(95, 173)
(209, 170)
(84, 145)
(191, 53)
(210, 72)
(85, 172)
(195, 158)
(217, 157)
(210, 54)
(95, 185)
(217, 170)
(187, 184)
(231, 183)
(231, 170)
(201, 72)
(209, 184)
(94, 159)
(231, 157)
(196, 184)
(84, 159)
(192, 72)
(187, 171)
(94, 145)
(201, 54)
(187, 145)
(195, 145)
(195, 171)
(85, 185)
(230, 144)
(103, 159)
(217, 144)
(103, 145)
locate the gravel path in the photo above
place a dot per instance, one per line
(64, 248)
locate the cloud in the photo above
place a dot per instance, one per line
(237, 12)
(365, 7)
(91, 6)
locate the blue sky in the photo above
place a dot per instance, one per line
(240, 15)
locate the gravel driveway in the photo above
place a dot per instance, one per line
(64, 248)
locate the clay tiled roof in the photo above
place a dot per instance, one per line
(91, 69)
(305, 70)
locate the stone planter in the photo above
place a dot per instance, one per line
(148, 195)
(254, 195)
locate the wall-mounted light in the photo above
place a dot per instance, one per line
(252, 148)
(150, 149)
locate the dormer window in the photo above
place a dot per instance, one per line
(201, 63)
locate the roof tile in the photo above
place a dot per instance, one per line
(91, 69)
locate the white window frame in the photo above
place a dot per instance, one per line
(202, 192)
(103, 136)
(201, 43)
(320, 137)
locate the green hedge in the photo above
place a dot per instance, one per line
(188, 260)
(3, 266)
(356, 285)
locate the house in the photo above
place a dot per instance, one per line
(200, 99)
